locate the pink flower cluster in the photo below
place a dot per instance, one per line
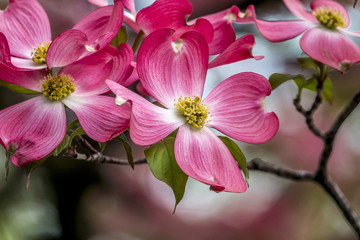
(323, 28)
(172, 64)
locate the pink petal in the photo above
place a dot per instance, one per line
(319, 44)
(129, 19)
(19, 64)
(168, 69)
(201, 25)
(241, 49)
(133, 77)
(100, 118)
(148, 122)
(27, 79)
(5, 56)
(204, 157)
(352, 33)
(26, 64)
(229, 15)
(36, 126)
(247, 17)
(237, 108)
(164, 14)
(91, 72)
(334, 6)
(122, 68)
(100, 3)
(277, 31)
(298, 9)
(25, 25)
(224, 33)
(102, 25)
(129, 5)
(90, 34)
(66, 48)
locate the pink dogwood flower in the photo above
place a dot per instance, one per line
(323, 39)
(217, 28)
(30, 130)
(173, 73)
(27, 29)
(224, 34)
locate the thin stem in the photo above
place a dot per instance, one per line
(341, 201)
(138, 40)
(308, 117)
(330, 135)
(317, 101)
(260, 165)
(97, 156)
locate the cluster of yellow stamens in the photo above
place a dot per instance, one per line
(330, 18)
(58, 86)
(193, 110)
(39, 53)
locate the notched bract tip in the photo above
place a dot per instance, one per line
(177, 46)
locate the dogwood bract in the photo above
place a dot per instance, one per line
(173, 73)
(33, 128)
(27, 29)
(323, 39)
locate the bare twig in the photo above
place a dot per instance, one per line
(260, 165)
(330, 135)
(308, 117)
(341, 201)
(97, 156)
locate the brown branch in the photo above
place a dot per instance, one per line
(329, 137)
(341, 201)
(96, 156)
(260, 165)
(309, 117)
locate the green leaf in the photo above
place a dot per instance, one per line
(277, 79)
(163, 165)
(309, 63)
(78, 131)
(120, 38)
(18, 89)
(64, 144)
(123, 139)
(238, 156)
(311, 84)
(29, 168)
(102, 146)
(74, 124)
(327, 93)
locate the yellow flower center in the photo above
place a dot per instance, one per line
(58, 86)
(193, 110)
(330, 18)
(39, 53)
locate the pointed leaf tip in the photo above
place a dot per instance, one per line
(163, 165)
(123, 139)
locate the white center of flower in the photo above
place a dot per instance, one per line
(177, 46)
